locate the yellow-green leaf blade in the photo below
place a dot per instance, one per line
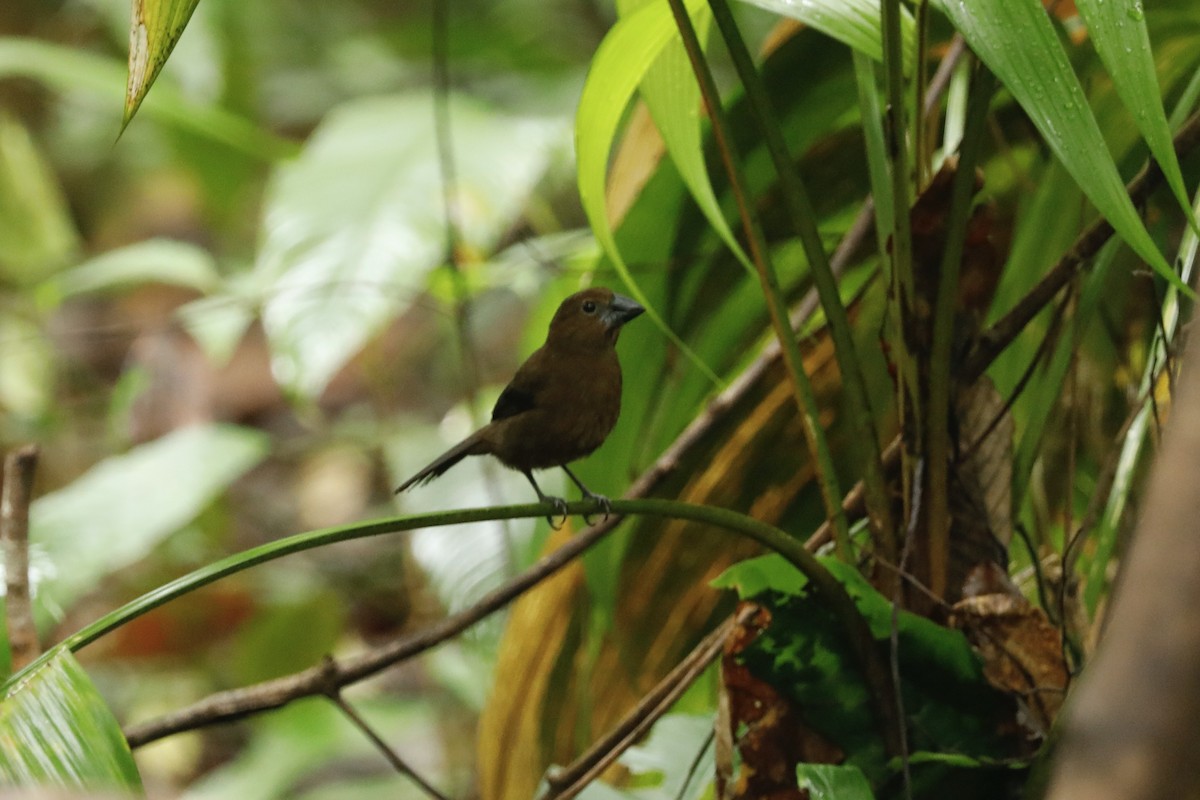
(621, 62)
(154, 28)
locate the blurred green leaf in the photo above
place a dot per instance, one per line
(218, 323)
(1118, 30)
(27, 380)
(56, 730)
(154, 28)
(117, 511)
(37, 235)
(831, 782)
(154, 261)
(354, 226)
(69, 70)
(1018, 43)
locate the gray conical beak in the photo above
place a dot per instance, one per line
(621, 310)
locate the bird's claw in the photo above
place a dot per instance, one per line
(560, 510)
(602, 501)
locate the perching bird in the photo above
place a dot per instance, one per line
(563, 401)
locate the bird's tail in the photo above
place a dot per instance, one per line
(473, 445)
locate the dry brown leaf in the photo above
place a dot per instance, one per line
(1022, 653)
(765, 727)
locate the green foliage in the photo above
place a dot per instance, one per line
(56, 730)
(804, 653)
(120, 509)
(283, 177)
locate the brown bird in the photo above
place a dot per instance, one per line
(562, 403)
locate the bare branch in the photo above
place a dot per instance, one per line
(19, 468)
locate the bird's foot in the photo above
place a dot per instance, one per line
(604, 503)
(560, 511)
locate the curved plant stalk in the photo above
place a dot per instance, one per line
(800, 210)
(769, 282)
(840, 602)
(940, 389)
(901, 277)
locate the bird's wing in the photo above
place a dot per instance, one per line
(523, 390)
(512, 401)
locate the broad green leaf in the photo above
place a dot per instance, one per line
(355, 225)
(37, 235)
(119, 509)
(854, 23)
(804, 654)
(154, 28)
(1018, 43)
(673, 98)
(1118, 30)
(620, 64)
(56, 731)
(154, 261)
(72, 71)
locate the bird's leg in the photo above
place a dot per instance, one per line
(560, 505)
(603, 501)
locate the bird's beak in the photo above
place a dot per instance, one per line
(621, 310)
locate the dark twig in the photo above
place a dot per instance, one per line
(569, 781)
(694, 767)
(393, 758)
(19, 468)
(317, 680)
(1007, 328)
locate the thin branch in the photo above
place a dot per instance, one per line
(393, 758)
(1007, 328)
(19, 467)
(569, 781)
(238, 703)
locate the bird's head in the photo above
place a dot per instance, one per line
(591, 319)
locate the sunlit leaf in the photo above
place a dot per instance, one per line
(854, 23)
(73, 71)
(1017, 42)
(673, 98)
(56, 731)
(1118, 30)
(155, 261)
(37, 235)
(625, 55)
(354, 226)
(154, 28)
(118, 510)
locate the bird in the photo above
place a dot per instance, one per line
(562, 402)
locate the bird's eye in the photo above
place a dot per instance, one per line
(589, 306)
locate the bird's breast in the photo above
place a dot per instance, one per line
(571, 418)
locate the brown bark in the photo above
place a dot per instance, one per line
(1131, 727)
